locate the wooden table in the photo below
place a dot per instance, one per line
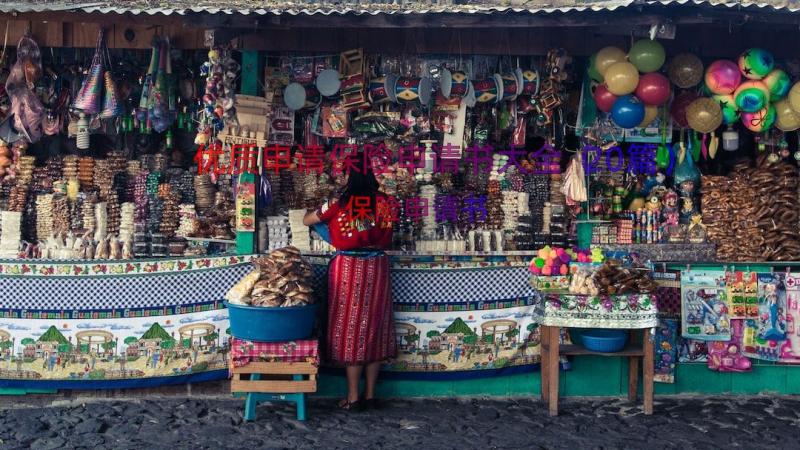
(629, 312)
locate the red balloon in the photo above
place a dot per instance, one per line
(678, 109)
(604, 98)
(653, 89)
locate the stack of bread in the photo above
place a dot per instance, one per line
(281, 279)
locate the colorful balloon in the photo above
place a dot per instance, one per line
(650, 114)
(603, 98)
(628, 111)
(794, 97)
(704, 115)
(786, 119)
(592, 70)
(756, 63)
(760, 120)
(621, 78)
(678, 108)
(751, 96)
(653, 89)
(730, 113)
(606, 57)
(723, 77)
(685, 70)
(647, 55)
(778, 83)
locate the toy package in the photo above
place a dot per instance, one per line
(727, 356)
(666, 349)
(742, 294)
(704, 306)
(692, 351)
(790, 350)
(763, 336)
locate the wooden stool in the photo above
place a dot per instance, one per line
(274, 381)
(552, 350)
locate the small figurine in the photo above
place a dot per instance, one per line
(653, 203)
(696, 233)
(688, 203)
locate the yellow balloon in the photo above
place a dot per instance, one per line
(606, 57)
(704, 115)
(650, 114)
(621, 78)
(794, 97)
(787, 119)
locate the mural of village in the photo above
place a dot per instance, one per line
(115, 348)
(469, 340)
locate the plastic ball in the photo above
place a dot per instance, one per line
(778, 83)
(653, 89)
(565, 258)
(704, 115)
(553, 254)
(756, 63)
(786, 119)
(730, 112)
(723, 77)
(647, 55)
(627, 112)
(543, 253)
(751, 96)
(547, 271)
(678, 108)
(538, 262)
(794, 97)
(650, 114)
(603, 98)
(621, 78)
(563, 270)
(606, 57)
(685, 70)
(760, 120)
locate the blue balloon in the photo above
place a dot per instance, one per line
(627, 112)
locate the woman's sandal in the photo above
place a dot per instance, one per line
(346, 405)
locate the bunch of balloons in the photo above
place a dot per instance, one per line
(631, 88)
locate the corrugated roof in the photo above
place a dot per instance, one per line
(373, 7)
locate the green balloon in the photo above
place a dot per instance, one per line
(592, 70)
(646, 55)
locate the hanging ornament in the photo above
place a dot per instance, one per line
(112, 106)
(90, 95)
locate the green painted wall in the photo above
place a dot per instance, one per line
(591, 376)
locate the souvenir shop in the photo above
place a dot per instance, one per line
(547, 184)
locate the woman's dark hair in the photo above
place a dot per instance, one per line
(361, 181)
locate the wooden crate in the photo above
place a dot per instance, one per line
(253, 115)
(275, 378)
(274, 381)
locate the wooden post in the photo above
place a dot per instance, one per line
(648, 372)
(552, 369)
(544, 348)
(633, 369)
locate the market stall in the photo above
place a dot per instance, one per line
(128, 171)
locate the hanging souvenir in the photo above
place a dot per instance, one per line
(488, 89)
(89, 97)
(409, 89)
(530, 82)
(454, 84)
(27, 111)
(297, 96)
(378, 91)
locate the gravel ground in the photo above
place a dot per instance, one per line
(215, 423)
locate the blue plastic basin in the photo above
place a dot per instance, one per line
(606, 341)
(255, 323)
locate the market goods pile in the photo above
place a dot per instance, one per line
(753, 213)
(282, 279)
(613, 279)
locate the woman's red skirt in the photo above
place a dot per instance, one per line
(360, 327)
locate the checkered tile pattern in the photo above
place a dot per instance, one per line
(449, 286)
(117, 292)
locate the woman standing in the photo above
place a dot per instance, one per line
(360, 328)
